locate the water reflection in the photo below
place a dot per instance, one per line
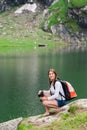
(22, 77)
(72, 48)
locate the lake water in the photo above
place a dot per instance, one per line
(21, 77)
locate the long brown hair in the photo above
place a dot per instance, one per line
(55, 76)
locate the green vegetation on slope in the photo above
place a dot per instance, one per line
(59, 13)
(68, 122)
(71, 123)
(78, 4)
(19, 34)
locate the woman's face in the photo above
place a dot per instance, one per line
(52, 75)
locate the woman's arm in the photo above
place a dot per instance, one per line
(56, 91)
(46, 91)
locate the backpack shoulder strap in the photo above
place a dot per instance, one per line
(62, 83)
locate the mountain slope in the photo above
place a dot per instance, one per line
(67, 19)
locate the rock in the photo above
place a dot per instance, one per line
(41, 120)
(45, 27)
(26, 7)
(82, 21)
(80, 15)
(1, 26)
(84, 9)
(46, 13)
(10, 125)
(42, 45)
(4, 6)
(68, 35)
(54, 29)
(55, 1)
(80, 102)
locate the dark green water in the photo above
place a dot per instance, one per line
(22, 77)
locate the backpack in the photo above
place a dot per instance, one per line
(68, 89)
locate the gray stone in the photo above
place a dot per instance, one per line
(10, 125)
(46, 13)
(41, 120)
(26, 7)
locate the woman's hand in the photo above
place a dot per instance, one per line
(43, 98)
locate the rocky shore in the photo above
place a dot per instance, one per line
(40, 120)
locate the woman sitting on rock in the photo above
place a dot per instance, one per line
(51, 98)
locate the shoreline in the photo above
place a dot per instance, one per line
(40, 121)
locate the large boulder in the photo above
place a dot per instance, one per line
(11, 124)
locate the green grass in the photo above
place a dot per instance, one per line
(25, 127)
(67, 122)
(78, 4)
(18, 37)
(12, 47)
(73, 109)
(72, 25)
(59, 13)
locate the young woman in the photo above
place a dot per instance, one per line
(52, 98)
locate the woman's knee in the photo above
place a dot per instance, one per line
(45, 103)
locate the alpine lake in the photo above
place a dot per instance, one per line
(22, 76)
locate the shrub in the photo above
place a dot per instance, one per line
(79, 4)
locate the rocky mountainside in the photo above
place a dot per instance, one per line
(65, 18)
(21, 27)
(9, 4)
